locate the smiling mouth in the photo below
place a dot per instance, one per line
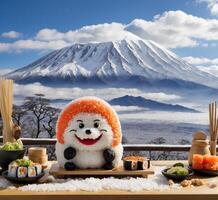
(88, 141)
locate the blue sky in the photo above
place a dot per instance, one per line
(30, 29)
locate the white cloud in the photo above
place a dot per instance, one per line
(51, 39)
(11, 34)
(5, 47)
(212, 5)
(172, 29)
(72, 93)
(160, 96)
(129, 108)
(157, 116)
(94, 33)
(201, 60)
(176, 29)
(30, 44)
(4, 71)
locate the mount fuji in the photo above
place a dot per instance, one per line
(127, 62)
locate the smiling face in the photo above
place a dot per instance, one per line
(88, 131)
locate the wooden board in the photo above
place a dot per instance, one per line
(190, 193)
(56, 171)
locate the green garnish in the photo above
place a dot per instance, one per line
(178, 165)
(23, 162)
(178, 171)
(8, 146)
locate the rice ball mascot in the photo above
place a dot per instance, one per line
(88, 135)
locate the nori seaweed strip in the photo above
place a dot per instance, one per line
(17, 172)
(140, 165)
(149, 163)
(127, 164)
(36, 170)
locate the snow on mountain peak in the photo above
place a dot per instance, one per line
(127, 57)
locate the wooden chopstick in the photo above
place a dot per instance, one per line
(213, 127)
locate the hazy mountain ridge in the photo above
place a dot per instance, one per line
(150, 104)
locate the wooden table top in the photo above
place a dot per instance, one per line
(198, 193)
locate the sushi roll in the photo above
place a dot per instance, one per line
(130, 164)
(136, 163)
(198, 161)
(38, 168)
(12, 170)
(22, 172)
(22, 168)
(32, 171)
(142, 165)
(210, 162)
(204, 162)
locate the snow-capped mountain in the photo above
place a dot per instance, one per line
(109, 62)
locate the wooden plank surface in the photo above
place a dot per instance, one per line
(58, 172)
(192, 193)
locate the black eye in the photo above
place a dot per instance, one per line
(81, 125)
(96, 125)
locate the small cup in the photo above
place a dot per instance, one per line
(38, 155)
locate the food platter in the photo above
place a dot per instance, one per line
(120, 171)
(204, 172)
(25, 180)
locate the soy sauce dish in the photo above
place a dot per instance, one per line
(177, 172)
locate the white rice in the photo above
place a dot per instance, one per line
(156, 182)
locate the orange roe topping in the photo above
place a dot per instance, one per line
(89, 105)
(206, 162)
(197, 161)
(134, 158)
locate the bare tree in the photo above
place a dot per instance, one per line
(18, 114)
(125, 140)
(184, 141)
(158, 155)
(51, 115)
(159, 140)
(29, 128)
(38, 106)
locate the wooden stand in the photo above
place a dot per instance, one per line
(56, 171)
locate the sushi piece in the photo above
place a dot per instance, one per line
(32, 171)
(22, 172)
(206, 162)
(22, 168)
(197, 161)
(210, 162)
(12, 170)
(38, 168)
(130, 165)
(136, 163)
(210, 159)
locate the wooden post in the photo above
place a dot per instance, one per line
(6, 106)
(8, 133)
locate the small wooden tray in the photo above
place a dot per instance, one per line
(56, 171)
